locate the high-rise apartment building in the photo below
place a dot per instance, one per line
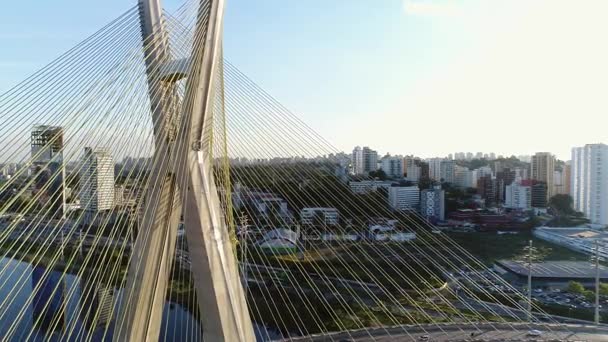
(432, 203)
(589, 181)
(414, 172)
(435, 168)
(447, 171)
(48, 167)
(364, 160)
(392, 166)
(542, 170)
(97, 181)
(518, 196)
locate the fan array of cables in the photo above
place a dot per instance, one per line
(78, 141)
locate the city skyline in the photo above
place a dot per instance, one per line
(449, 63)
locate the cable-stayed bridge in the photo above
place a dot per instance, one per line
(154, 191)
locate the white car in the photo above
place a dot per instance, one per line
(534, 333)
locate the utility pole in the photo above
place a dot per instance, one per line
(597, 283)
(243, 242)
(530, 255)
(530, 248)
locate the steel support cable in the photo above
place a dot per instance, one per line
(66, 158)
(80, 274)
(395, 269)
(93, 53)
(322, 272)
(184, 185)
(253, 303)
(64, 146)
(288, 113)
(123, 246)
(60, 86)
(313, 282)
(71, 54)
(16, 177)
(47, 184)
(138, 265)
(317, 318)
(372, 277)
(50, 267)
(353, 272)
(68, 264)
(292, 281)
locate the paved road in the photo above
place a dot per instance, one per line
(460, 332)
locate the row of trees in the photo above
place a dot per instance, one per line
(578, 288)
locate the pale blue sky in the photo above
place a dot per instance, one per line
(428, 77)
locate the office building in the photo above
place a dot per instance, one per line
(404, 197)
(48, 168)
(539, 195)
(367, 186)
(542, 169)
(589, 181)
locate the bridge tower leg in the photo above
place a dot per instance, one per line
(221, 299)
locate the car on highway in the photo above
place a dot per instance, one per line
(534, 333)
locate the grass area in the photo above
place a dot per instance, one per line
(489, 247)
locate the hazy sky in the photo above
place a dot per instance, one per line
(428, 77)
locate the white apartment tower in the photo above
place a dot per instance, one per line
(365, 160)
(447, 171)
(518, 196)
(392, 166)
(97, 181)
(435, 168)
(589, 181)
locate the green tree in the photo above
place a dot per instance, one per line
(380, 174)
(603, 289)
(425, 183)
(575, 287)
(562, 203)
